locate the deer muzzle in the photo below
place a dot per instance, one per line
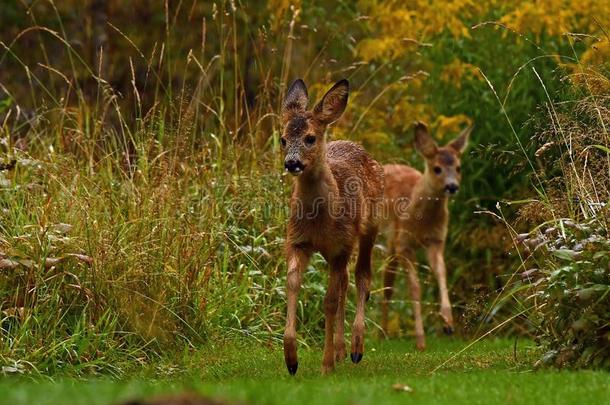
(294, 166)
(451, 188)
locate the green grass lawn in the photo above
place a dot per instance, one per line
(491, 371)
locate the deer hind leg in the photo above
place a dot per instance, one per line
(297, 262)
(363, 285)
(331, 304)
(437, 263)
(389, 277)
(406, 258)
(340, 352)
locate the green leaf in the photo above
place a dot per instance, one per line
(602, 148)
(566, 254)
(5, 104)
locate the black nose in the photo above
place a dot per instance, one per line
(293, 165)
(452, 188)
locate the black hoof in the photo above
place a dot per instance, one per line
(448, 330)
(356, 357)
(292, 368)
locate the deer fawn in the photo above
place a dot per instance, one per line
(333, 205)
(418, 218)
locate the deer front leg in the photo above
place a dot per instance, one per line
(437, 263)
(331, 304)
(297, 262)
(415, 292)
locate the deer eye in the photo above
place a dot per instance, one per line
(438, 170)
(310, 140)
(283, 142)
(458, 169)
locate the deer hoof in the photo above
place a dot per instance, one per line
(448, 330)
(328, 369)
(292, 368)
(356, 357)
(420, 343)
(340, 355)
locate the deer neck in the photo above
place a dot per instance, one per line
(317, 185)
(427, 201)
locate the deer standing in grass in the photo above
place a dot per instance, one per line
(418, 218)
(337, 190)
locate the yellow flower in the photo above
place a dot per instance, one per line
(457, 70)
(597, 54)
(450, 125)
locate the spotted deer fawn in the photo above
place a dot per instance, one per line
(418, 218)
(336, 191)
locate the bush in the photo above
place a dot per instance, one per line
(567, 284)
(570, 296)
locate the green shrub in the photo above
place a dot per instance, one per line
(567, 284)
(570, 295)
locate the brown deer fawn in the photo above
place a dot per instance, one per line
(337, 189)
(418, 218)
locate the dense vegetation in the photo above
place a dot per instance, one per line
(147, 206)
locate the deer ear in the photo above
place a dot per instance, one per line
(296, 99)
(332, 105)
(423, 142)
(459, 144)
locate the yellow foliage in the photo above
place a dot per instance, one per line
(457, 70)
(400, 30)
(407, 111)
(557, 17)
(597, 54)
(379, 48)
(279, 8)
(450, 125)
(587, 72)
(401, 26)
(376, 138)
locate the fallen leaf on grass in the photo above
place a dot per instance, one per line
(16, 367)
(8, 264)
(14, 312)
(402, 388)
(52, 261)
(62, 228)
(83, 258)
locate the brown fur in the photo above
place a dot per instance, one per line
(418, 218)
(333, 207)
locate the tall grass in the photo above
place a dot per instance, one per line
(127, 229)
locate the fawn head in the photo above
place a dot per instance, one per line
(303, 140)
(443, 172)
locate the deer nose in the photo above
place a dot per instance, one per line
(451, 188)
(294, 166)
